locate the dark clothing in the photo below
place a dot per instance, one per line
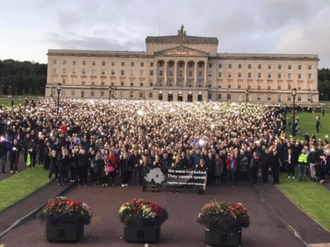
(14, 155)
(290, 163)
(124, 168)
(265, 160)
(53, 169)
(275, 166)
(255, 165)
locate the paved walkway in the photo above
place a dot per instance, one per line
(180, 230)
(21, 167)
(310, 231)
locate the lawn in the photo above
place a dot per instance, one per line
(8, 101)
(310, 196)
(21, 185)
(307, 124)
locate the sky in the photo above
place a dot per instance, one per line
(28, 28)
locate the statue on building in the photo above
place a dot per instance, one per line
(181, 31)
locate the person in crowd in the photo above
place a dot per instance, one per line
(210, 164)
(112, 157)
(32, 151)
(243, 165)
(3, 152)
(47, 154)
(41, 148)
(313, 159)
(275, 167)
(302, 164)
(290, 161)
(83, 162)
(135, 163)
(145, 168)
(156, 164)
(125, 168)
(106, 169)
(15, 149)
(232, 166)
(218, 163)
(53, 167)
(255, 165)
(96, 166)
(201, 167)
(63, 165)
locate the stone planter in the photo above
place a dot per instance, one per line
(221, 237)
(66, 231)
(149, 233)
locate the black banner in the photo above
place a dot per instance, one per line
(169, 177)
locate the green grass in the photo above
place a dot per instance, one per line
(310, 196)
(8, 101)
(20, 185)
(307, 124)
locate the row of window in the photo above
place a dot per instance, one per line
(239, 66)
(269, 75)
(102, 94)
(259, 97)
(103, 63)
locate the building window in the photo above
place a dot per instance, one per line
(122, 72)
(209, 96)
(83, 83)
(151, 72)
(289, 76)
(141, 84)
(93, 83)
(63, 92)
(200, 73)
(299, 76)
(122, 64)
(239, 86)
(74, 62)
(102, 93)
(92, 93)
(93, 71)
(239, 75)
(229, 75)
(180, 73)
(122, 83)
(54, 70)
(259, 66)
(240, 66)
(83, 71)
(279, 87)
(279, 66)
(229, 96)
(171, 73)
(200, 65)
(309, 76)
(72, 92)
(250, 66)
(249, 86)
(269, 66)
(63, 81)
(150, 95)
(161, 65)
(103, 72)
(74, 71)
(160, 73)
(309, 67)
(289, 67)
(269, 76)
(113, 64)
(190, 73)
(289, 86)
(229, 66)
(249, 75)
(289, 98)
(151, 64)
(112, 83)
(220, 74)
(132, 84)
(54, 62)
(210, 66)
(151, 84)
(142, 64)
(259, 87)
(93, 63)
(121, 95)
(220, 67)
(190, 65)
(299, 98)
(83, 62)
(219, 96)
(229, 86)
(64, 71)
(171, 65)
(299, 67)
(259, 98)
(279, 76)
(259, 75)
(112, 72)
(141, 95)
(269, 97)
(210, 74)
(103, 64)
(64, 62)
(141, 72)
(132, 72)
(132, 64)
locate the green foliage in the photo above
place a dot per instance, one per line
(324, 84)
(17, 77)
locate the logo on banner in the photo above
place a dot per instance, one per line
(155, 175)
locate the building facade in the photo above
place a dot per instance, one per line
(183, 68)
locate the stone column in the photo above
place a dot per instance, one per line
(185, 74)
(175, 73)
(195, 74)
(156, 73)
(165, 73)
(205, 74)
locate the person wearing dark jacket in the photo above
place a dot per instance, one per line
(156, 164)
(14, 155)
(41, 147)
(124, 168)
(134, 161)
(185, 161)
(96, 166)
(255, 165)
(73, 162)
(53, 168)
(32, 151)
(82, 167)
(63, 164)
(275, 166)
(290, 162)
(47, 154)
(210, 165)
(3, 152)
(265, 160)
(145, 168)
(201, 167)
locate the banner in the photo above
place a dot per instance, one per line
(169, 177)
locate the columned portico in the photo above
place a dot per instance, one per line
(185, 74)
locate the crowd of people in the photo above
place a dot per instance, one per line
(99, 142)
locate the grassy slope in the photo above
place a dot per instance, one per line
(21, 185)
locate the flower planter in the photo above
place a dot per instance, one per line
(149, 233)
(221, 237)
(66, 231)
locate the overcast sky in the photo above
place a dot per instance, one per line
(28, 28)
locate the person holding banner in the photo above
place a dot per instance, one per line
(201, 167)
(145, 168)
(156, 164)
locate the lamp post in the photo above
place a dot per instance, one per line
(110, 88)
(58, 97)
(246, 96)
(1, 90)
(9, 93)
(82, 94)
(322, 97)
(113, 92)
(41, 91)
(131, 93)
(294, 94)
(227, 95)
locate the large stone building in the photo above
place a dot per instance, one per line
(183, 68)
